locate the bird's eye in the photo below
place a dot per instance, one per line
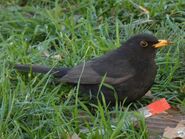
(143, 43)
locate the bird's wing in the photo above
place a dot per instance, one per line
(93, 72)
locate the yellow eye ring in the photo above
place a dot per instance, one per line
(143, 43)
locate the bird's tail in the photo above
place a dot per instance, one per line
(57, 72)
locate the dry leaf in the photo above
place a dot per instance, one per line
(74, 136)
(156, 124)
(149, 95)
(177, 132)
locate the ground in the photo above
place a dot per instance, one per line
(31, 106)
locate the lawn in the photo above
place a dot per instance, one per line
(32, 106)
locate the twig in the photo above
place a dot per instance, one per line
(143, 9)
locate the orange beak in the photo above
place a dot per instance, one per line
(162, 43)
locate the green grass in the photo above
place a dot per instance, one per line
(31, 106)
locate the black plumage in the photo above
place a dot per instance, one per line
(130, 70)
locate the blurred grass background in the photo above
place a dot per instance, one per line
(32, 107)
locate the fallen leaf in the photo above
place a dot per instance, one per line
(157, 123)
(74, 136)
(177, 132)
(149, 95)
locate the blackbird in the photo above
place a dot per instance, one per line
(125, 73)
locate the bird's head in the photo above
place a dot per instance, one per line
(146, 43)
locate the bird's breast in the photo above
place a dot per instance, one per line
(145, 74)
(139, 84)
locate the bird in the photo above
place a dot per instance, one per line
(123, 74)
